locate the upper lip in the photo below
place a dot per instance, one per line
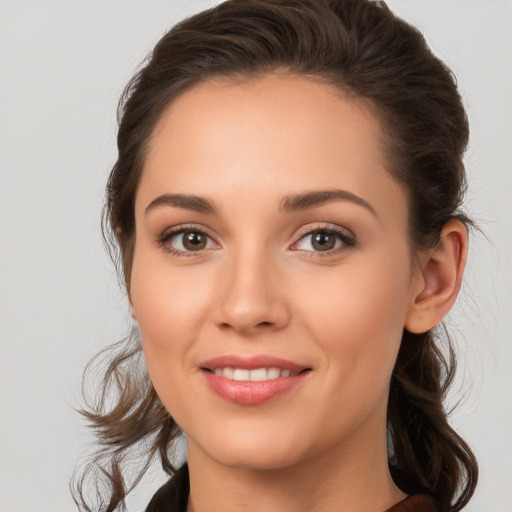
(251, 363)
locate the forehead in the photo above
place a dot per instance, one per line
(271, 110)
(276, 135)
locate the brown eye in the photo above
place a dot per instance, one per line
(323, 240)
(184, 241)
(193, 240)
(327, 240)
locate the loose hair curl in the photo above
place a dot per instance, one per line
(361, 48)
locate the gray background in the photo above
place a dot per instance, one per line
(63, 65)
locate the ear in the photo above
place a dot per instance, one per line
(439, 279)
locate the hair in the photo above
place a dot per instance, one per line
(365, 51)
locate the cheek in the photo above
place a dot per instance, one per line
(357, 315)
(170, 307)
(169, 310)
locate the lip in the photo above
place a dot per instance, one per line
(252, 392)
(251, 363)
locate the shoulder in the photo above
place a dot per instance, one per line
(173, 495)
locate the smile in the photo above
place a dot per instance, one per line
(256, 375)
(252, 380)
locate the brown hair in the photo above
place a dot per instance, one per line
(361, 48)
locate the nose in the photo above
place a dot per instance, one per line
(251, 296)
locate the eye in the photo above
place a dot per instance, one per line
(186, 240)
(324, 240)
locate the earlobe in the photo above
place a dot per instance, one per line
(441, 278)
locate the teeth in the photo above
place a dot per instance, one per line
(273, 373)
(228, 372)
(240, 374)
(258, 374)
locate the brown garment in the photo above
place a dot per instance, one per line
(418, 503)
(173, 497)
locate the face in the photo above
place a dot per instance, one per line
(272, 273)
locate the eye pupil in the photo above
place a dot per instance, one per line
(323, 241)
(193, 241)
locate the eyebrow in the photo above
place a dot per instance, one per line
(185, 201)
(288, 204)
(320, 197)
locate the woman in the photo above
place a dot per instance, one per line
(286, 202)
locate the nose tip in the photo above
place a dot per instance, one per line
(247, 318)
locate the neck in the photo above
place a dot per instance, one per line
(357, 479)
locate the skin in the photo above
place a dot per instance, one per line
(259, 286)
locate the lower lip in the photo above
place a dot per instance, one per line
(251, 392)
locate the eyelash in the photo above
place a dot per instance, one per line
(171, 233)
(347, 240)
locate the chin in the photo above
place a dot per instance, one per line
(254, 451)
(257, 460)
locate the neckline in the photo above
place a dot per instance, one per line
(412, 502)
(173, 497)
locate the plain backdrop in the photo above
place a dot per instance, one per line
(63, 65)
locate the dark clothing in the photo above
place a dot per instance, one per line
(173, 497)
(418, 503)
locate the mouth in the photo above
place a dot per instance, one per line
(255, 375)
(252, 380)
